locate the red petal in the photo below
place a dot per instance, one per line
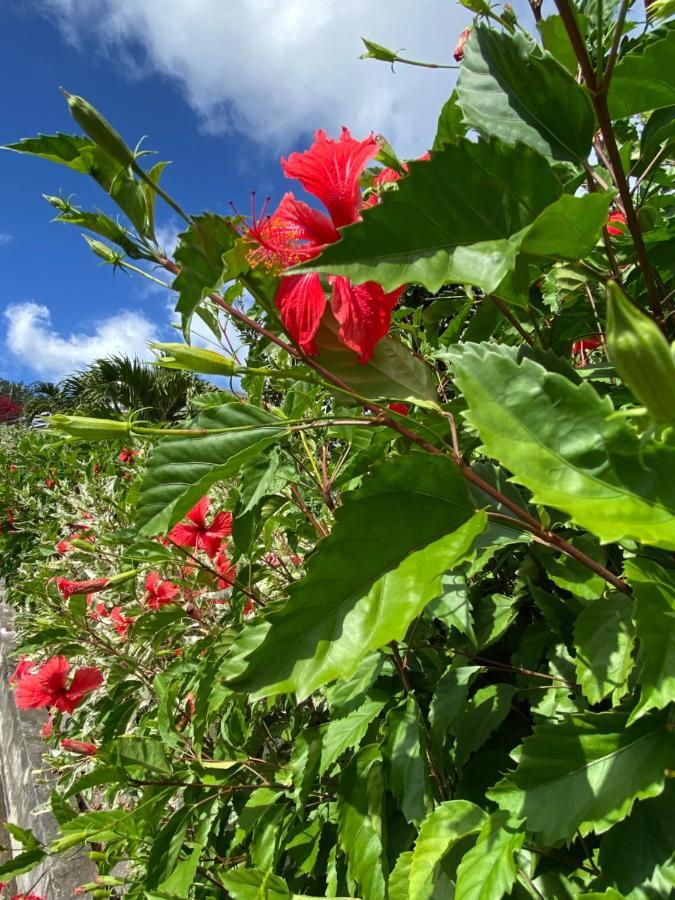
(310, 224)
(31, 693)
(331, 170)
(222, 524)
(210, 543)
(84, 682)
(301, 301)
(198, 512)
(184, 535)
(151, 581)
(364, 314)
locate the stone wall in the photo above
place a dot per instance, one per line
(25, 788)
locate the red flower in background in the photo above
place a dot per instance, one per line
(69, 588)
(583, 346)
(401, 408)
(30, 896)
(49, 687)
(82, 747)
(198, 533)
(159, 592)
(330, 170)
(9, 410)
(616, 217)
(226, 570)
(126, 455)
(120, 622)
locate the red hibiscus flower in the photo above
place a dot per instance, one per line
(69, 588)
(159, 593)
(82, 747)
(226, 570)
(616, 217)
(581, 347)
(401, 408)
(119, 621)
(49, 687)
(330, 170)
(458, 52)
(126, 455)
(24, 667)
(198, 534)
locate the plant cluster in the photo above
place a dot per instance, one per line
(399, 620)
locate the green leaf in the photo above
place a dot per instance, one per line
(99, 224)
(510, 88)
(488, 870)
(482, 714)
(557, 438)
(137, 752)
(448, 699)
(182, 469)
(450, 126)
(166, 847)
(654, 589)
(22, 862)
(438, 227)
(393, 372)
(453, 607)
(644, 78)
(585, 773)
(495, 614)
(404, 761)
(343, 734)
(638, 851)
(382, 563)
(603, 638)
(252, 884)
(556, 40)
(440, 831)
(200, 256)
(360, 810)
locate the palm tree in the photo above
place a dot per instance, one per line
(118, 385)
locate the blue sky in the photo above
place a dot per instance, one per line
(222, 90)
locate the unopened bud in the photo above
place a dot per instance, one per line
(640, 353)
(88, 429)
(458, 52)
(99, 129)
(194, 359)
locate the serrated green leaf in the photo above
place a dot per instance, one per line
(448, 700)
(380, 566)
(440, 831)
(557, 438)
(511, 88)
(200, 255)
(450, 126)
(488, 870)
(453, 607)
(555, 39)
(494, 616)
(654, 589)
(644, 77)
(22, 862)
(462, 217)
(343, 734)
(585, 773)
(404, 761)
(360, 811)
(182, 469)
(166, 848)
(603, 638)
(481, 715)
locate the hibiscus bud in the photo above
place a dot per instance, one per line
(641, 355)
(377, 51)
(83, 747)
(88, 429)
(194, 359)
(458, 52)
(99, 129)
(508, 15)
(103, 251)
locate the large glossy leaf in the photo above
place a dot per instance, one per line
(182, 469)
(200, 255)
(644, 78)
(404, 761)
(511, 88)
(638, 852)
(557, 438)
(462, 217)
(488, 870)
(360, 811)
(654, 589)
(342, 734)
(447, 824)
(393, 372)
(603, 638)
(480, 716)
(585, 773)
(380, 566)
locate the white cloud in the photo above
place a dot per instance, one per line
(32, 339)
(276, 70)
(5, 239)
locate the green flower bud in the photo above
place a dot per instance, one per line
(87, 429)
(641, 355)
(99, 129)
(194, 359)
